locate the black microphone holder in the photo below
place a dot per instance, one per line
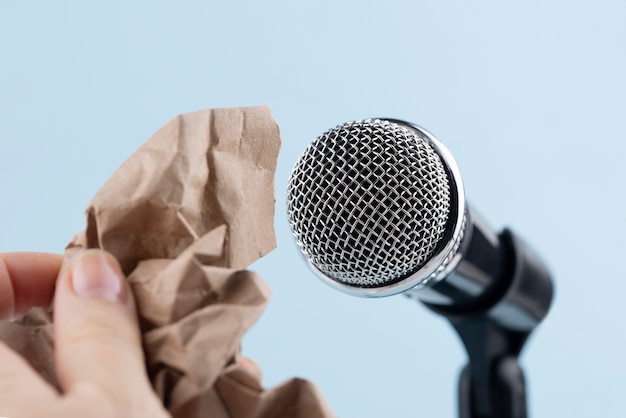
(492, 384)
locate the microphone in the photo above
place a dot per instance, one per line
(377, 208)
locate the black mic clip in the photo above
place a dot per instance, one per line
(492, 330)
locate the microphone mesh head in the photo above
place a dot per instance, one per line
(368, 202)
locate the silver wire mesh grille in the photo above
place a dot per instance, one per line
(368, 202)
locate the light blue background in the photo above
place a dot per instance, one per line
(529, 96)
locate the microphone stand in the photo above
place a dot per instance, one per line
(492, 384)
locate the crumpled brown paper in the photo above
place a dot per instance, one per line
(184, 215)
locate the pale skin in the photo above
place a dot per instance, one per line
(98, 353)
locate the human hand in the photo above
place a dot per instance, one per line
(98, 352)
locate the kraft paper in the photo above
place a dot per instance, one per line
(185, 215)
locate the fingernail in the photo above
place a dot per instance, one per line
(97, 275)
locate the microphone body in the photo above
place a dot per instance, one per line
(378, 208)
(490, 278)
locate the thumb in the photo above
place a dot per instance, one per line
(98, 343)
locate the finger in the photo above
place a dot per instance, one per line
(20, 385)
(96, 333)
(26, 280)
